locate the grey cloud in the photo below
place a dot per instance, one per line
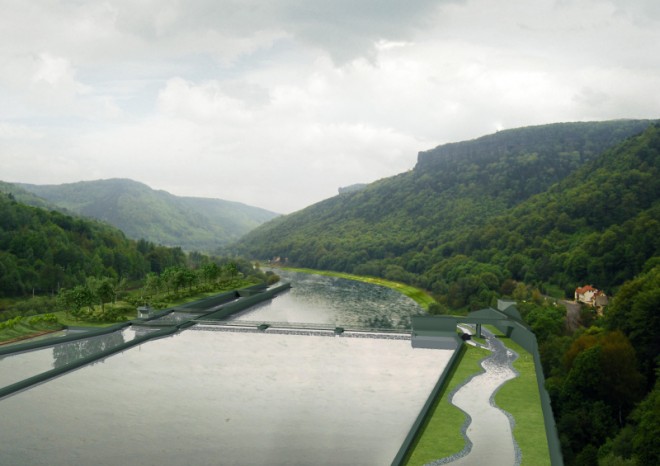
(348, 29)
(343, 28)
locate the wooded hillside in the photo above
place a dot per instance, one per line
(42, 251)
(526, 212)
(194, 224)
(465, 221)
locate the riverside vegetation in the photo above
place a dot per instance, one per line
(530, 214)
(82, 272)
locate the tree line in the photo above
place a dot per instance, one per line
(602, 378)
(81, 266)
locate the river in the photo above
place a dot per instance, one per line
(206, 396)
(320, 299)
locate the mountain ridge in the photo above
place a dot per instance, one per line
(158, 216)
(404, 227)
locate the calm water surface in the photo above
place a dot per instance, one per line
(19, 366)
(335, 301)
(205, 397)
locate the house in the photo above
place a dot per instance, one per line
(591, 296)
(585, 294)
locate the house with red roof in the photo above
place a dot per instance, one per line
(589, 295)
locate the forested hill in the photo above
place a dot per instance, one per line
(42, 252)
(428, 226)
(599, 225)
(191, 223)
(516, 163)
(523, 213)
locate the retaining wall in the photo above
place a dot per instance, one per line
(434, 396)
(244, 303)
(29, 346)
(526, 338)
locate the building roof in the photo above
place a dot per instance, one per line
(584, 289)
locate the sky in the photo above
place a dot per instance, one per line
(278, 103)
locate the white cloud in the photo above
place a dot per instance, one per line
(13, 131)
(279, 103)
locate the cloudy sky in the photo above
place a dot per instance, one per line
(277, 103)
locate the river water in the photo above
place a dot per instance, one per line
(208, 397)
(319, 299)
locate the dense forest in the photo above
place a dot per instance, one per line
(524, 213)
(42, 251)
(47, 254)
(192, 223)
(540, 205)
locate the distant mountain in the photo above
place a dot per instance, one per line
(433, 226)
(141, 212)
(24, 196)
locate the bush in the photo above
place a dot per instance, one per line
(50, 319)
(10, 323)
(272, 278)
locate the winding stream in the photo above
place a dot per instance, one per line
(489, 430)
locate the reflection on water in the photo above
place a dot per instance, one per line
(335, 301)
(207, 398)
(66, 353)
(233, 398)
(19, 366)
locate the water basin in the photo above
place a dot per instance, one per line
(205, 397)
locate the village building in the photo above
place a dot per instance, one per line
(592, 296)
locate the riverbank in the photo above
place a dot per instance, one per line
(418, 295)
(24, 330)
(28, 336)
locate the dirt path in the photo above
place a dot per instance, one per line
(572, 314)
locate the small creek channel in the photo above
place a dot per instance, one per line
(489, 429)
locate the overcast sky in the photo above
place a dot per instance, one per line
(277, 103)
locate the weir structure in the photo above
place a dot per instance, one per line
(435, 332)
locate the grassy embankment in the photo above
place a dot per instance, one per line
(25, 329)
(418, 295)
(520, 397)
(441, 436)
